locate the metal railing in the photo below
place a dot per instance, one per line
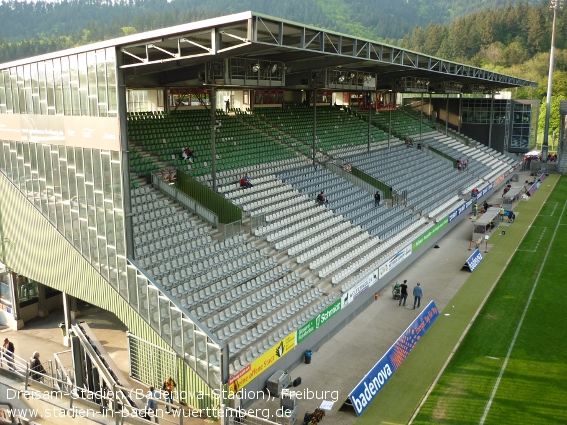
(232, 229)
(109, 402)
(185, 200)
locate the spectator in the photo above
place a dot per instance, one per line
(377, 198)
(152, 404)
(227, 105)
(485, 206)
(169, 387)
(322, 199)
(417, 293)
(459, 164)
(502, 211)
(475, 209)
(403, 292)
(187, 154)
(36, 367)
(9, 353)
(245, 181)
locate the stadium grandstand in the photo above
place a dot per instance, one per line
(120, 171)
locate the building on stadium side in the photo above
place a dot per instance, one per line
(220, 286)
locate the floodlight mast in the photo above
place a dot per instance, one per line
(555, 5)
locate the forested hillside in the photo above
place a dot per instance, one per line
(62, 23)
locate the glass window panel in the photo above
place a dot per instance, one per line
(79, 161)
(76, 228)
(83, 83)
(58, 87)
(143, 296)
(111, 81)
(201, 353)
(91, 216)
(132, 286)
(101, 224)
(102, 256)
(176, 329)
(92, 86)
(93, 247)
(66, 84)
(80, 202)
(67, 225)
(119, 233)
(84, 238)
(74, 81)
(42, 88)
(110, 239)
(34, 80)
(72, 185)
(8, 85)
(113, 272)
(97, 172)
(50, 87)
(3, 84)
(87, 158)
(154, 309)
(165, 320)
(189, 342)
(26, 86)
(106, 175)
(101, 82)
(117, 184)
(18, 93)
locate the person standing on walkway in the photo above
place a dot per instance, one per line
(9, 349)
(377, 198)
(152, 405)
(169, 388)
(36, 368)
(403, 292)
(417, 293)
(502, 211)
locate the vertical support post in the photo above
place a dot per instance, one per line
(389, 125)
(369, 120)
(555, 4)
(447, 116)
(421, 119)
(460, 110)
(314, 124)
(67, 317)
(213, 132)
(491, 120)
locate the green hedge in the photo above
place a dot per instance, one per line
(386, 190)
(225, 210)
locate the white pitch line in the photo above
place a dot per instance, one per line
(503, 368)
(537, 244)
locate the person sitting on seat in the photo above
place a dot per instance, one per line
(245, 181)
(322, 199)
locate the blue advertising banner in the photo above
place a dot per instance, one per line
(536, 185)
(372, 383)
(474, 260)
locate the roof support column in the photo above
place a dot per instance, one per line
(460, 110)
(447, 115)
(125, 160)
(213, 130)
(421, 119)
(389, 125)
(368, 98)
(314, 124)
(491, 116)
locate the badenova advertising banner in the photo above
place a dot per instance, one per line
(474, 260)
(374, 381)
(314, 324)
(536, 185)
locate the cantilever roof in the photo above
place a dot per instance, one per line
(173, 56)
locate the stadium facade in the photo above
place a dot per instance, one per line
(74, 131)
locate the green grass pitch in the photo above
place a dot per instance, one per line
(532, 389)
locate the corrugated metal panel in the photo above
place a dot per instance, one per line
(41, 253)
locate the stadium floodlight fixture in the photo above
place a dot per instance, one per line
(274, 68)
(256, 67)
(367, 78)
(556, 4)
(341, 78)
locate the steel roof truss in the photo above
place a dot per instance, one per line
(175, 55)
